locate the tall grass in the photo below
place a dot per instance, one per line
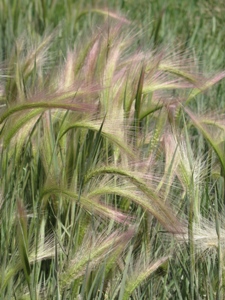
(111, 169)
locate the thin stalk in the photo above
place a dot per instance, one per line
(191, 244)
(219, 294)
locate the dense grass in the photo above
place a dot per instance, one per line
(112, 150)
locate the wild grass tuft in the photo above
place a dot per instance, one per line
(111, 169)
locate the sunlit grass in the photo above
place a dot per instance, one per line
(112, 166)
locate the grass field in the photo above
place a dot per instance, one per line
(112, 139)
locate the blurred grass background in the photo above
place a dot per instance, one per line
(195, 24)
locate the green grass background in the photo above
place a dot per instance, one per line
(112, 140)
